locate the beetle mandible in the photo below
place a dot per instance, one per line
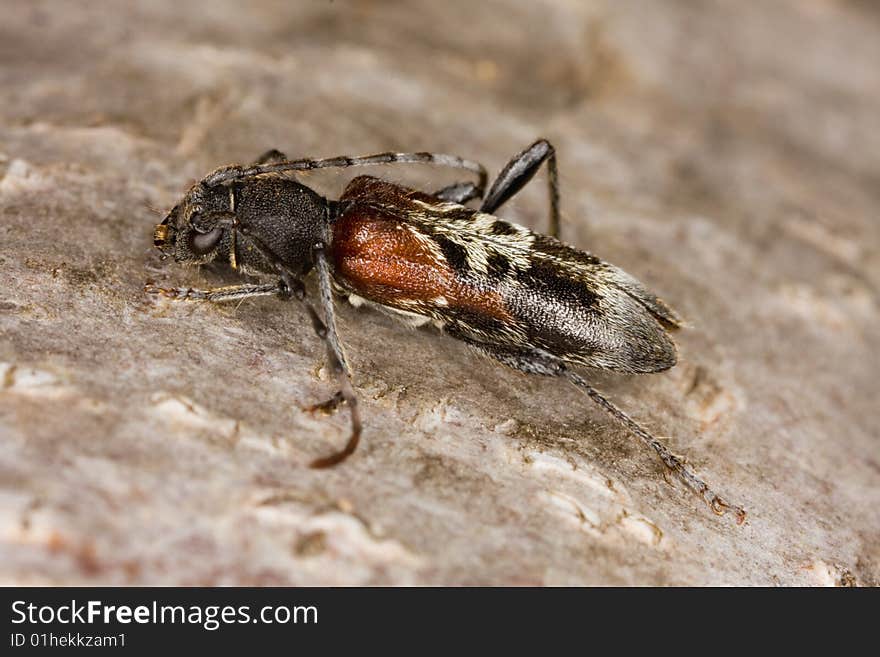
(521, 298)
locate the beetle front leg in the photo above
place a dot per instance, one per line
(216, 294)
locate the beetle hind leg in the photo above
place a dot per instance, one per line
(676, 464)
(518, 172)
(534, 362)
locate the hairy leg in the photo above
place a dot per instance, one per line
(338, 364)
(217, 294)
(518, 172)
(532, 362)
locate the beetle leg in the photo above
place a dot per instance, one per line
(532, 362)
(519, 171)
(327, 407)
(326, 330)
(337, 361)
(217, 294)
(676, 464)
(285, 287)
(523, 360)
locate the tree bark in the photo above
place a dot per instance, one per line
(727, 157)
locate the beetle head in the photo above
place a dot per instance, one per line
(199, 228)
(254, 225)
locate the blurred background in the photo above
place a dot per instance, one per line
(726, 154)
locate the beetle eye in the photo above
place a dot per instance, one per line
(202, 243)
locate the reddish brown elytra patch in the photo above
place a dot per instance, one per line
(382, 260)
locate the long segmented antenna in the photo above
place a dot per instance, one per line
(674, 463)
(236, 172)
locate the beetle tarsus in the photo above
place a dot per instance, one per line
(349, 398)
(674, 463)
(328, 407)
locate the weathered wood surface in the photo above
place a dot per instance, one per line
(728, 157)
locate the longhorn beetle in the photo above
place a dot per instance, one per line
(522, 298)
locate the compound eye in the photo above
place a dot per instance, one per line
(202, 243)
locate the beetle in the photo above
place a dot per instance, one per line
(522, 298)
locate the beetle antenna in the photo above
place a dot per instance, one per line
(230, 174)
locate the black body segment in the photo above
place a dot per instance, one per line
(277, 223)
